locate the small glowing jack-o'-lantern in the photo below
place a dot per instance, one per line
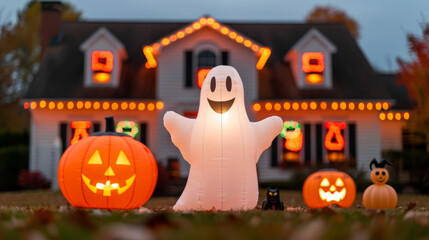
(379, 195)
(329, 187)
(107, 170)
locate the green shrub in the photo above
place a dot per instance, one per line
(13, 159)
(12, 139)
(416, 163)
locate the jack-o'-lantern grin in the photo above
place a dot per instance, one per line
(222, 106)
(329, 193)
(112, 184)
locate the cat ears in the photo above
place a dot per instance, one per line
(379, 164)
(272, 189)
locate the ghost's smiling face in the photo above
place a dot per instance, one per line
(221, 89)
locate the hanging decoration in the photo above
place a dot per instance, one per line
(379, 195)
(107, 170)
(128, 127)
(102, 66)
(313, 62)
(293, 135)
(201, 75)
(334, 140)
(329, 187)
(80, 130)
(221, 145)
(313, 65)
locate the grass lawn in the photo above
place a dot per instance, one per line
(46, 215)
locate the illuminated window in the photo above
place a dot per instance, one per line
(313, 65)
(103, 57)
(206, 61)
(334, 141)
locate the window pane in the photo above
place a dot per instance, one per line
(206, 59)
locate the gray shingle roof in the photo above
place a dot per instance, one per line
(61, 72)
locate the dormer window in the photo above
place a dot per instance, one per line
(103, 54)
(311, 61)
(313, 65)
(102, 66)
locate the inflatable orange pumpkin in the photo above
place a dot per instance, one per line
(329, 187)
(107, 170)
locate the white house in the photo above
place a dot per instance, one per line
(336, 109)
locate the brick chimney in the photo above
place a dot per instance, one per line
(50, 23)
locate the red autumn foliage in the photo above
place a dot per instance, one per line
(414, 73)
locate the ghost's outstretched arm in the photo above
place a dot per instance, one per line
(265, 131)
(180, 129)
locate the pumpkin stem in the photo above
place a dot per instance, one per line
(110, 124)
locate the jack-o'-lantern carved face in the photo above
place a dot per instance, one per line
(329, 187)
(332, 192)
(379, 176)
(107, 170)
(95, 181)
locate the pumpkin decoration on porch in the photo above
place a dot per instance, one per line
(329, 187)
(107, 170)
(379, 195)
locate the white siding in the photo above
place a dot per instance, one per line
(45, 128)
(367, 137)
(171, 75)
(391, 135)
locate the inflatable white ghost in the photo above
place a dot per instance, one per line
(221, 145)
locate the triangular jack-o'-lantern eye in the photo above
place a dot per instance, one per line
(122, 159)
(325, 183)
(339, 182)
(95, 159)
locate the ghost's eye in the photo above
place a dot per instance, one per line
(213, 84)
(228, 84)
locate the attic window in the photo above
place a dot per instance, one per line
(102, 66)
(313, 65)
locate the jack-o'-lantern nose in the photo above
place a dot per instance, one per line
(109, 172)
(332, 188)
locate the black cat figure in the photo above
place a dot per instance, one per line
(273, 201)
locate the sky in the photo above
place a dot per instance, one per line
(384, 24)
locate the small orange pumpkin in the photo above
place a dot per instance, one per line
(107, 170)
(379, 195)
(329, 187)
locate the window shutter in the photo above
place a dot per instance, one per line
(96, 127)
(274, 153)
(188, 69)
(307, 143)
(143, 133)
(225, 57)
(63, 136)
(319, 144)
(352, 141)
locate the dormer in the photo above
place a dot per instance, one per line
(103, 54)
(208, 42)
(311, 61)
